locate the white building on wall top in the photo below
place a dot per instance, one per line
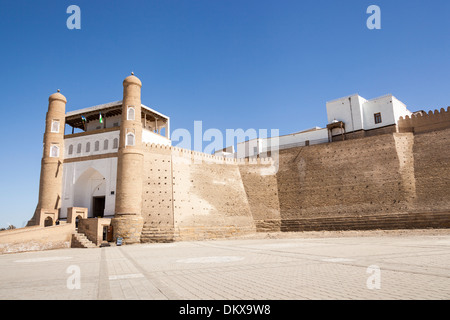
(348, 117)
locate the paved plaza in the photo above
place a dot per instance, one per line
(415, 265)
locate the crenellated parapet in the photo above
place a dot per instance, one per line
(425, 122)
(204, 157)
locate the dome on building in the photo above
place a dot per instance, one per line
(132, 79)
(57, 96)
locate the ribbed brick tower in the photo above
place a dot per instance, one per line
(50, 186)
(128, 221)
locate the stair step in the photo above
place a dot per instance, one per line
(82, 241)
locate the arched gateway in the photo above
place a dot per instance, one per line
(90, 192)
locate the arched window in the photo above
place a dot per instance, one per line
(105, 145)
(70, 149)
(97, 146)
(115, 143)
(54, 151)
(79, 148)
(88, 147)
(55, 126)
(130, 113)
(130, 139)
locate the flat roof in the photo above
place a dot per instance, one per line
(346, 97)
(73, 118)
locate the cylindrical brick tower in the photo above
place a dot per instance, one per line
(128, 221)
(50, 186)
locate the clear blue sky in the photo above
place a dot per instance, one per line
(230, 63)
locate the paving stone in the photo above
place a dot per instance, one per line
(410, 267)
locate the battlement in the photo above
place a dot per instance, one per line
(204, 157)
(425, 122)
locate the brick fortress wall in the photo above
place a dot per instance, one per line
(388, 181)
(190, 195)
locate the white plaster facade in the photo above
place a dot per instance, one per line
(354, 111)
(84, 180)
(90, 167)
(254, 147)
(152, 137)
(359, 114)
(91, 144)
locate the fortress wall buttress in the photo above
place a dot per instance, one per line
(260, 184)
(157, 196)
(209, 197)
(191, 196)
(432, 171)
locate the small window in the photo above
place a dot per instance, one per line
(130, 139)
(130, 113)
(88, 147)
(377, 117)
(105, 145)
(70, 149)
(54, 151)
(115, 124)
(55, 126)
(97, 146)
(79, 148)
(115, 143)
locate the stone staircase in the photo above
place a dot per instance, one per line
(79, 240)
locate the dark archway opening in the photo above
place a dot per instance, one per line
(48, 222)
(77, 221)
(98, 207)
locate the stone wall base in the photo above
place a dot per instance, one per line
(127, 227)
(436, 220)
(205, 233)
(268, 225)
